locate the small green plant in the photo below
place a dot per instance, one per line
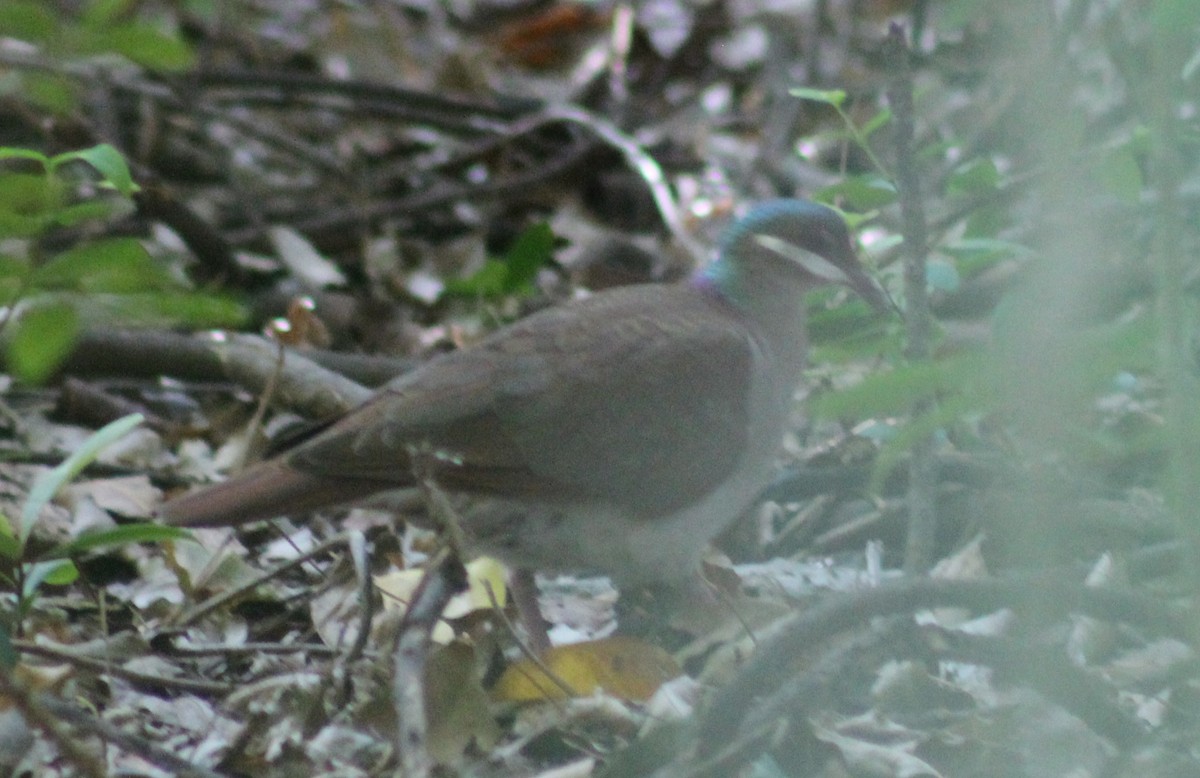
(25, 574)
(513, 273)
(94, 281)
(878, 191)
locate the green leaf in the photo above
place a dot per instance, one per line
(10, 546)
(49, 483)
(124, 535)
(863, 193)
(975, 254)
(1120, 173)
(27, 203)
(1108, 349)
(1176, 16)
(13, 225)
(988, 221)
(972, 248)
(894, 392)
(834, 97)
(973, 177)
(531, 251)
(875, 122)
(50, 92)
(109, 265)
(10, 290)
(62, 574)
(489, 281)
(849, 330)
(42, 338)
(108, 161)
(941, 275)
(515, 272)
(90, 210)
(100, 13)
(58, 572)
(935, 151)
(13, 269)
(10, 152)
(856, 220)
(166, 308)
(29, 21)
(142, 44)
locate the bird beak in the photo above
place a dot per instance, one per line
(868, 288)
(844, 269)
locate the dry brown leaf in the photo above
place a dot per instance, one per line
(456, 705)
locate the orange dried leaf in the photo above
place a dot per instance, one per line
(546, 39)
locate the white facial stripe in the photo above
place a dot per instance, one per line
(813, 263)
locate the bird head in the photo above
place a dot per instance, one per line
(809, 239)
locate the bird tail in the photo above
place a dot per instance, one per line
(266, 490)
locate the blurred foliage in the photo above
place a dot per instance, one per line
(97, 28)
(50, 294)
(1037, 132)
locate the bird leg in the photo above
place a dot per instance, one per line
(524, 589)
(521, 583)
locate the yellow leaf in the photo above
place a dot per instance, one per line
(482, 573)
(621, 666)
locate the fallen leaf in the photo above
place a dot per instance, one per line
(624, 667)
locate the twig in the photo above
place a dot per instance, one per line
(531, 653)
(387, 101)
(139, 680)
(199, 611)
(433, 196)
(639, 161)
(151, 353)
(444, 578)
(366, 610)
(923, 469)
(847, 611)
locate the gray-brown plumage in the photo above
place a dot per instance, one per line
(618, 433)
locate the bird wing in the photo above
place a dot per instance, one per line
(637, 397)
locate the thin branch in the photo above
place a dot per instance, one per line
(923, 469)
